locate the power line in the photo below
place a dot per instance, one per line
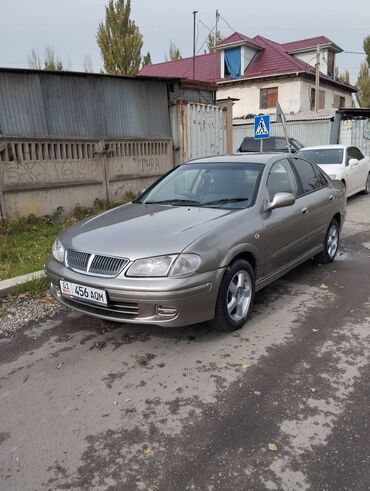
(355, 52)
(234, 30)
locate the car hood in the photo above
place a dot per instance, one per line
(136, 230)
(331, 169)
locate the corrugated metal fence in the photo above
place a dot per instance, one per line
(199, 130)
(41, 104)
(361, 135)
(307, 132)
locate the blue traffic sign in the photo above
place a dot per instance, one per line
(262, 127)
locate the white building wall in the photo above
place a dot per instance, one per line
(293, 95)
(330, 94)
(309, 57)
(248, 94)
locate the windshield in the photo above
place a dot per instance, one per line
(296, 144)
(219, 185)
(323, 156)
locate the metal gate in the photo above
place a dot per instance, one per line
(361, 135)
(198, 130)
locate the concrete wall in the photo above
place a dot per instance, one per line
(294, 96)
(39, 175)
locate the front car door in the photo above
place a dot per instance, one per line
(363, 164)
(283, 227)
(355, 179)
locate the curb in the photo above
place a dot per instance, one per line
(7, 285)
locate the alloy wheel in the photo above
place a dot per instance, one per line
(332, 240)
(239, 295)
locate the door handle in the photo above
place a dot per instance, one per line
(304, 210)
(331, 197)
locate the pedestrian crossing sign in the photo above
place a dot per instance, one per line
(262, 127)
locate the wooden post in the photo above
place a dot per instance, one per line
(228, 104)
(317, 79)
(2, 203)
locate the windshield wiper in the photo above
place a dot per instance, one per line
(225, 200)
(173, 202)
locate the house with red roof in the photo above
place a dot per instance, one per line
(257, 72)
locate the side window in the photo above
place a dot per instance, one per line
(350, 155)
(357, 153)
(307, 175)
(322, 182)
(281, 179)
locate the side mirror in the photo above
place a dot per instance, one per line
(280, 200)
(353, 162)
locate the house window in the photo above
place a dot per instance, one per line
(321, 99)
(339, 101)
(268, 97)
(232, 63)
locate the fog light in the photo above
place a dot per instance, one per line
(164, 311)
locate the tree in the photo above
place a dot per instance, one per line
(33, 60)
(52, 62)
(147, 59)
(343, 77)
(366, 46)
(173, 52)
(363, 85)
(88, 64)
(211, 41)
(119, 39)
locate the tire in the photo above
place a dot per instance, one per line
(235, 297)
(331, 244)
(367, 187)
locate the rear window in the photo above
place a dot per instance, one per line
(323, 156)
(252, 145)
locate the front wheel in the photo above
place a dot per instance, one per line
(331, 244)
(235, 297)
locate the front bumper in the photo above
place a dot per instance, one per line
(171, 302)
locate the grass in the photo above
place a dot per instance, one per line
(35, 288)
(26, 243)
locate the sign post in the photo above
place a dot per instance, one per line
(262, 128)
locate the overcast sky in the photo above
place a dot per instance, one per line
(69, 26)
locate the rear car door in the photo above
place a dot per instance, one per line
(316, 201)
(283, 227)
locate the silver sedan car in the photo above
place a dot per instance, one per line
(198, 243)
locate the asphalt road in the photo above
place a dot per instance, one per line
(85, 404)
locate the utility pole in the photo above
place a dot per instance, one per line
(216, 38)
(217, 19)
(317, 79)
(194, 25)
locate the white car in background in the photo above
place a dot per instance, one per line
(345, 163)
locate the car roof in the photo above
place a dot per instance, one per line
(325, 147)
(239, 158)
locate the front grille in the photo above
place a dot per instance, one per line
(94, 264)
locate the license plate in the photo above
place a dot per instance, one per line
(82, 292)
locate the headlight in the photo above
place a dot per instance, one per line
(172, 265)
(332, 176)
(58, 251)
(152, 266)
(185, 264)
